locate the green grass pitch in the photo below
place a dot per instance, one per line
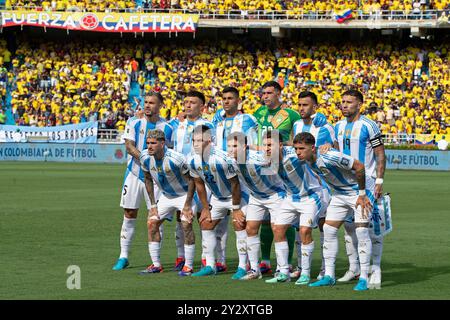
(54, 215)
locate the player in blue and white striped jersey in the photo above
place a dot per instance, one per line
(211, 167)
(307, 104)
(360, 138)
(230, 119)
(194, 103)
(266, 198)
(346, 177)
(170, 172)
(133, 189)
(226, 121)
(305, 199)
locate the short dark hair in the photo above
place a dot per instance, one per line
(354, 93)
(197, 94)
(233, 90)
(155, 94)
(274, 84)
(306, 94)
(306, 138)
(239, 136)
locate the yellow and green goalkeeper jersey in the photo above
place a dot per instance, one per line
(276, 119)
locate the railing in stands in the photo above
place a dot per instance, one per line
(268, 14)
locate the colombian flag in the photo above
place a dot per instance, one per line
(344, 15)
(305, 64)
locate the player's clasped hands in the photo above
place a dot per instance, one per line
(365, 204)
(239, 218)
(153, 214)
(188, 214)
(205, 215)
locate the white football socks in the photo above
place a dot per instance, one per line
(241, 245)
(377, 250)
(351, 246)
(209, 247)
(282, 253)
(253, 249)
(155, 250)
(189, 250)
(330, 249)
(364, 251)
(307, 252)
(126, 236)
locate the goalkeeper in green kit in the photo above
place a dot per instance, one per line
(272, 116)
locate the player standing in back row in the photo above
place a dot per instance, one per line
(271, 116)
(133, 189)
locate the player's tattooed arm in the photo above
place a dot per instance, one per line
(336, 145)
(380, 157)
(362, 200)
(235, 191)
(360, 173)
(201, 191)
(131, 149)
(187, 209)
(149, 187)
(238, 215)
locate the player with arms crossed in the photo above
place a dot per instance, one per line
(169, 170)
(348, 199)
(133, 189)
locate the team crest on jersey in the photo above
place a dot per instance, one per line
(206, 168)
(213, 169)
(252, 173)
(348, 132)
(324, 170)
(167, 169)
(199, 169)
(160, 170)
(345, 162)
(289, 167)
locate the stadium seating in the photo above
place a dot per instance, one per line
(59, 84)
(406, 88)
(223, 6)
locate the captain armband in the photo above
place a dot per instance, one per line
(376, 142)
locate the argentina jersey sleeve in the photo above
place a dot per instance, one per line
(146, 165)
(326, 135)
(338, 159)
(375, 137)
(250, 128)
(191, 166)
(130, 133)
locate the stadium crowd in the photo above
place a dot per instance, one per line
(223, 6)
(406, 89)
